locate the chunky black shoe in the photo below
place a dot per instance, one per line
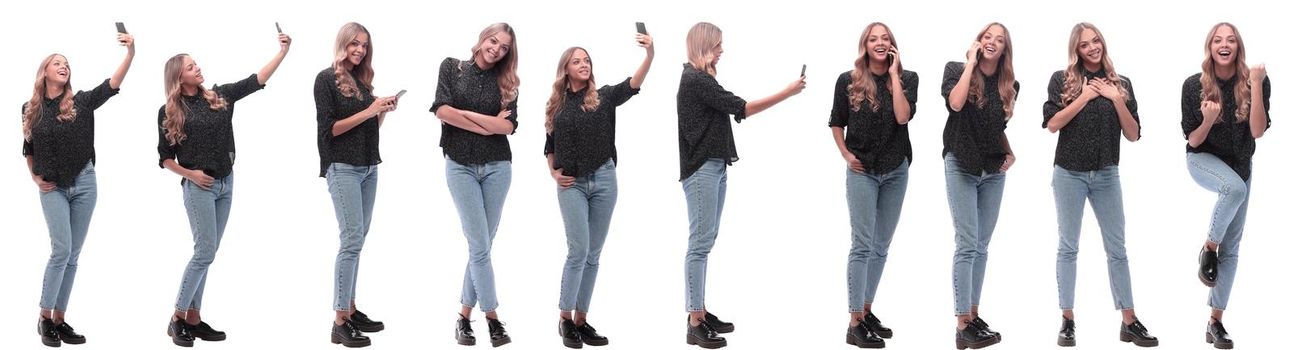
(873, 323)
(569, 336)
(365, 324)
(862, 337)
(718, 325)
(464, 334)
(203, 331)
(983, 326)
(48, 336)
(179, 333)
(349, 336)
(1136, 333)
(68, 335)
(974, 337)
(497, 335)
(590, 336)
(1067, 336)
(704, 336)
(1218, 336)
(1208, 267)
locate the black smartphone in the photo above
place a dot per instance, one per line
(280, 29)
(400, 94)
(121, 28)
(803, 70)
(642, 28)
(888, 58)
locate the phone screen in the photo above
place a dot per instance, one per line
(121, 28)
(642, 28)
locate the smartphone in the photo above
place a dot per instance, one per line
(400, 94)
(642, 28)
(888, 58)
(803, 70)
(121, 28)
(280, 29)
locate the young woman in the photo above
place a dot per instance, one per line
(980, 96)
(706, 148)
(349, 117)
(475, 100)
(581, 155)
(1223, 112)
(873, 103)
(195, 141)
(1093, 108)
(58, 142)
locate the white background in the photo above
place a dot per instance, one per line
(778, 268)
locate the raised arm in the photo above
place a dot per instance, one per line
(128, 41)
(284, 43)
(646, 42)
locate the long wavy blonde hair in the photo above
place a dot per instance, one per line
(508, 81)
(862, 87)
(66, 107)
(363, 71)
(175, 106)
(1005, 74)
(1073, 74)
(1211, 89)
(559, 87)
(702, 39)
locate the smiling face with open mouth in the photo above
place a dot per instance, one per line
(993, 42)
(190, 73)
(495, 47)
(1224, 46)
(58, 72)
(878, 43)
(1090, 48)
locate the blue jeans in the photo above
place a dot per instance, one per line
(1228, 217)
(705, 190)
(478, 191)
(875, 202)
(1104, 190)
(67, 214)
(208, 211)
(586, 208)
(354, 191)
(975, 201)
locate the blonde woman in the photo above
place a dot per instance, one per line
(349, 119)
(980, 95)
(475, 100)
(705, 149)
(1223, 112)
(873, 103)
(58, 142)
(195, 141)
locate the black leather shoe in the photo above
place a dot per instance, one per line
(569, 337)
(1218, 336)
(349, 336)
(68, 335)
(873, 323)
(497, 335)
(983, 326)
(704, 336)
(974, 337)
(203, 331)
(590, 336)
(179, 332)
(48, 336)
(1137, 334)
(718, 325)
(1067, 336)
(862, 337)
(365, 324)
(1208, 267)
(464, 334)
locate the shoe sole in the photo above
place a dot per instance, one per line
(1067, 342)
(852, 340)
(1128, 338)
(1208, 337)
(213, 337)
(500, 342)
(77, 341)
(576, 344)
(961, 344)
(603, 342)
(183, 343)
(707, 345)
(467, 341)
(336, 339)
(53, 344)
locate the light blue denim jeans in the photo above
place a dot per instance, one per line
(975, 201)
(875, 203)
(67, 214)
(479, 191)
(1228, 217)
(1104, 189)
(208, 212)
(354, 191)
(586, 208)
(705, 190)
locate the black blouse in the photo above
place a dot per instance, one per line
(209, 144)
(1229, 140)
(703, 128)
(973, 135)
(1091, 140)
(355, 147)
(465, 86)
(875, 137)
(582, 141)
(60, 150)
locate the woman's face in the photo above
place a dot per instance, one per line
(878, 44)
(1090, 47)
(716, 53)
(495, 47)
(357, 49)
(1224, 46)
(190, 73)
(580, 67)
(993, 42)
(58, 72)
